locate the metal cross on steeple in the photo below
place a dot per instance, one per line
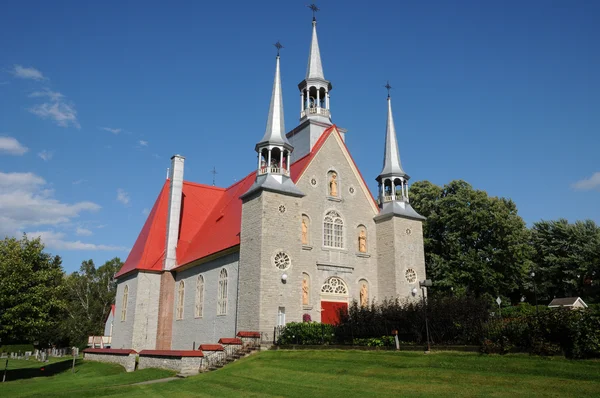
(314, 9)
(214, 173)
(388, 87)
(279, 46)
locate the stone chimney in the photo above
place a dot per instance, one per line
(176, 178)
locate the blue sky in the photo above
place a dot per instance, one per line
(96, 97)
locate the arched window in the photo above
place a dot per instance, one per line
(335, 286)
(124, 306)
(222, 293)
(333, 230)
(180, 296)
(199, 296)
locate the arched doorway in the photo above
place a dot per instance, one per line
(334, 299)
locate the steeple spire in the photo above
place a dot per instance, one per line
(393, 181)
(314, 89)
(391, 156)
(314, 70)
(274, 149)
(275, 130)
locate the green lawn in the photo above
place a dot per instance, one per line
(334, 373)
(27, 379)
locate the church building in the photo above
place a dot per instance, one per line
(300, 236)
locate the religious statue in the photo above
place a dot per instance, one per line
(304, 291)
(362, 241)
(304, 232)
(333, 185)
(364, 295)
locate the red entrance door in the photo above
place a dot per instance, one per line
(330, 311)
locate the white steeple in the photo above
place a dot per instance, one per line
(314, 89)
(275, 130)
(314, 70)
(392, 166)
(393, 181)
(274, 149)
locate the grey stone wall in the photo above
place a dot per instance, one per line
(210, 327)
(186, 365)
(126, 361)
(109, 322)
(356, 208)
(266, 230)
(146, 312)
(409, 254)
(123, 330)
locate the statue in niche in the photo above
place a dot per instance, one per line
(362, 241)
(305, 291)
(333, 185)
(304, 232)
(364, 295)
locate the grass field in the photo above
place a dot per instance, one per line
(337, 374)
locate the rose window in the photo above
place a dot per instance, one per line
(411, 275)
(282, 261)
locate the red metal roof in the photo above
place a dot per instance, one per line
(210, 222)
(230, 340)
(211, 347)
(248, 334)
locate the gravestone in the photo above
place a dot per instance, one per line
(27, 355)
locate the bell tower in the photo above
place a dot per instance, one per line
(400, 251)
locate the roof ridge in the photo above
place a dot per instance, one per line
(197, 184)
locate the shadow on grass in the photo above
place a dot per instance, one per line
(44, 370)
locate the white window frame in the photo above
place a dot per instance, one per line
(333, 230)
(222, 293)
(124, 303)
(199, 296)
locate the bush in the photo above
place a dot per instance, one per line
(383, 341)
(16, 348)
(306, 333)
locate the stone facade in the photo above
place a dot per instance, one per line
(138, 330)
(184, 365)
(191, 331)
(127, 361)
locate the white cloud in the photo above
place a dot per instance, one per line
(53, 95)
(83, 232)
(122, 196)
(112, 130)
(56, 241)
(146, 211)
(3, 83)
(143, 143)
(80, 181)
(26, 201)
(587, 184)
(63, 113)
(27, 73)
(46, 155)
(11, 146)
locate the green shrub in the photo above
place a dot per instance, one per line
(383, 341)
(306, 333)
(16, 348)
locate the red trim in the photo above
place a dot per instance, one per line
(110, 351)
(230, 340)
(171, 353)
(249, 334)
(211, 347)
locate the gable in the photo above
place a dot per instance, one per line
(331, 154)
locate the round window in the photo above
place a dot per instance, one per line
(282, 261)
(411, 275)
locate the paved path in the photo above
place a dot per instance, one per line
(156, 381)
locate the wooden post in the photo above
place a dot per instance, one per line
(74, 358)
(5, 367)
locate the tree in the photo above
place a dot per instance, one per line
(90, 293)
(567, 258)
(31, 290)
(474, 243)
